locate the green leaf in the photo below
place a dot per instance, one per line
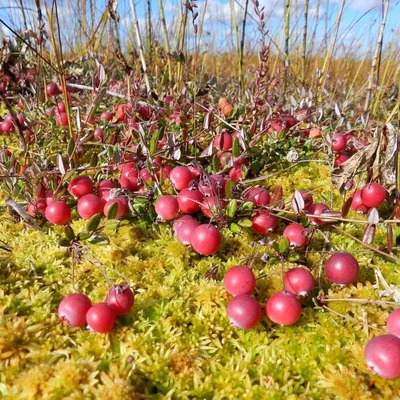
(112, 224)
(235, 148)
(64, 242)
(246, 223)
(235, 228)
(153, 142)
(248, 205)
(276, 247)
(112, 211)
(71, 147)
(69, 232)
(94, 160)
(284, 244)
(93, 223)
(84, 235)
(231, 209)
(215, 164)
(100, 240)
(228, 188)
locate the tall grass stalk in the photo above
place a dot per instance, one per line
(304, 47)
(166, 39)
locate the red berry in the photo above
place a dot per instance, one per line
(283, 308)
(239, 280)
(189, 200)
(259, 196)
(357, 204)
(317, 209)
(179, 221)
(7, 127)
(104, 187)
(211, 206)
(167, 207)
(223, 142)
(106, 116)
(184, 232)
(61, 119)
(296, 234)
(101, 318)
(339, 142)
(236, 173)
(180, 177)
(79, 186)
(121, 299)
(52, 89)
(37, 206)
(298, 281)
(90, 205)
(244, 311)
(373, 194)
(214, 185)
(264, 222)
(130, 180)
(342, 268)
(123, 207)
(58, 212)
(382, 355)
(393, 323)
(341, 157)
(73, 309)
(99, 135)
(206, 239)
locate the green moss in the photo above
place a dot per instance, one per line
(177, 341)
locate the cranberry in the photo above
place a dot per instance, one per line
(339, 142)
(382, 355)
(239, 280)
(123, 207)
(283, 308)
(206, 239)
(90, 205)
(185, 231)
(167, 207)
(264, 222)
(296, 234)
(213, 185)
(236, 173)
(341, 157)
(179, 221)
(307, 198)
(52, 89)
(37, 206)
(317, 209)
(373, 194)
(106, 116)
(244, 311)
(189, 200)
(73, 309)
(121, 299)
(298, 281)
(223, 142)
(61, 119)
(101, 318)
(259, 196)
(393, 323)
(211, 206)
(104, 187)
(342, 268)
(7, 127)
(180, 177)
(79, 186)
(357, 204)
(58, 212)
(130, 180)
(99, 135)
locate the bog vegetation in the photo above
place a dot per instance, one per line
(189, 220)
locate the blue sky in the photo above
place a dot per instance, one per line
(358, 27)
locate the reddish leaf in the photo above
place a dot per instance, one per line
(389, 234)
(277, 195)
(346, 206)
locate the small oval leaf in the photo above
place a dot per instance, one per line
(373, 216)
(112, 211)
(369, 234)
(93, 223)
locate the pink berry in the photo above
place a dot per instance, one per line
(298, 281)
(104, 187)
(342, 268)
(58, 212)
(73, 308)
(296, 234)
(181, 220)
(206, 239)
(223, 142)
(373, 194)
(393, 323)
(317, 209)
(185, 231)
(101, 318)
(244, 311)
(106, 116)
(189, 200)
(382, 355)
(79, 186)
(357, 203)
(259, 196)
(123, 207)
(167, 207)
(264, 222)
(339, 142)
(239, 280)
(90, 205)
(180, 177)
(121, 299)
(211, 206)
(283, 308)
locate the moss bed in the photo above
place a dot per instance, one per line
(177, 341)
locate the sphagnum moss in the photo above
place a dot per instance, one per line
(177, 342)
